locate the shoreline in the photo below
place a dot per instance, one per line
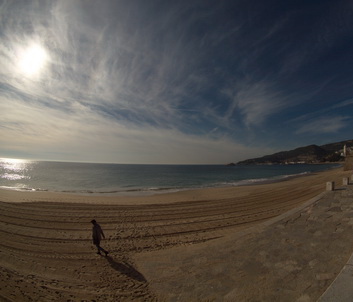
(10, 195)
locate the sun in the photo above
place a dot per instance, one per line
(32, 60)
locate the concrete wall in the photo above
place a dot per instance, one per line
(348, 163)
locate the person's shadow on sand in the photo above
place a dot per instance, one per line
(126, 269)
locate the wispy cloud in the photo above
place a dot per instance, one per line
(123, 77)
(344, 103)
(88, 136)
(324, 125)
(254, 101)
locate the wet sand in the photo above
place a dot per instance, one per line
(46, 252)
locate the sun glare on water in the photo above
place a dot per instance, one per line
(32, 60)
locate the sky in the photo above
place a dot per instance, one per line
(173, 81)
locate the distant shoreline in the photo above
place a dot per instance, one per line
(286, 164)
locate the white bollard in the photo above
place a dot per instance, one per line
(345, 181)
(330, 186)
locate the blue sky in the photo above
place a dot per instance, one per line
(173, 81)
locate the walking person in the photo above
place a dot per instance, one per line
(97, 234)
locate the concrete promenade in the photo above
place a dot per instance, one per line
(302, 256)
(341, 289)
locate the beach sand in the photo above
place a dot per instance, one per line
(165, 247)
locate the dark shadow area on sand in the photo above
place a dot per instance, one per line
(126, 269)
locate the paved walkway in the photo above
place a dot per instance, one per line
(293, 257)
(341, 290)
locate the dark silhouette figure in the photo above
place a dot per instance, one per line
(97, 234)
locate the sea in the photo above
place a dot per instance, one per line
(135, 179)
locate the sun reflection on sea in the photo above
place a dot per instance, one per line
(13, 169)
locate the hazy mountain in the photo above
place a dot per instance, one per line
(309, 154)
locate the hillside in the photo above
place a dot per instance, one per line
(309, 154)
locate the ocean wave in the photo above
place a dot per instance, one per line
(256, 181)
(22, 188)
